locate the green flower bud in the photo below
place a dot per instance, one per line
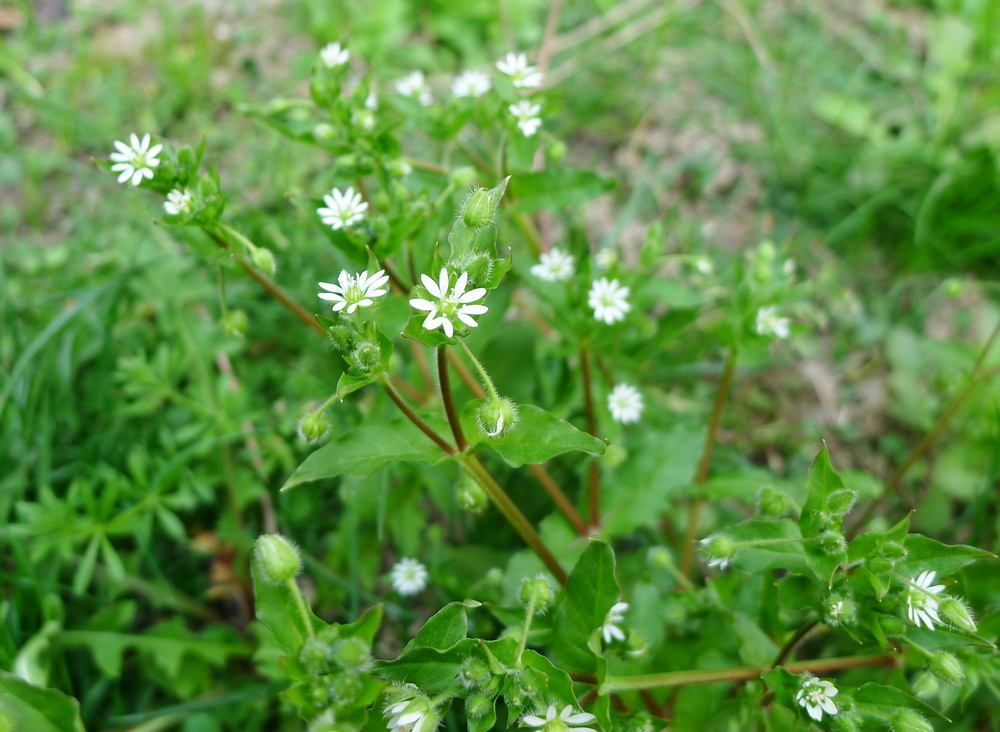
(351, 653)
(399, 168)
(906, 720)
(840, 502)
(313, 427)
(718, 550)
(879, 565)
(277, 558)
(264, 261)
(478, 264)
(363, 118)
(956, 612)
(365, 357)
(326, 722)
(555, 151)
(461, 178)
(636, 644)
(845, 721)
(892, 625)
(772, 502)
(832, 542)
(346, 688)
(478, 210)
(891, 550)
(536, 590)
(840, 609)
(478, 705)
(475, 673)
(235, 323)
(315, 655)
(324, 131)
(496, 416)
(329, 635)
(946, 667)
(471, 496)
(346, 161)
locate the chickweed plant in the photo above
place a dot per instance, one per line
(551, 548)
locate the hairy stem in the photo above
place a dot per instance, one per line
(529, 614)
(513, 514)
(594, 491)
(449, 402)
(415, 418)
(701, 475)
(740, 673)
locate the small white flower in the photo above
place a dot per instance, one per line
(557, 721)
(354, 291)
(371, 101)
(334, 55)
(414, 85)
(606, 258)
(921, 603)
(719, 563)
(704, 265)
(769, 323)
(610, 630)
(609, 300)
(456, 304)
(816, 696)
(526, 114)
(553, 266)
(625, 403)
(178, 202)
(522, 75)
(343, 208)
(135, 160)
(470, 83)
(408, 576)
(409, 715)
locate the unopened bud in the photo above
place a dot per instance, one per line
(313, 427)
(399, 168)
(478, 705)
(277, 558)
(315, 655)
(906, 720)
(478, 210)
(636, 644)
(538, 591)
(475, 673)
(477, 263)
(351, 653)
(840, 610)
(840, 502)
(264, 261)
(235, 323)
(832, 542)
(461, 178)
(846, 722)
(346, 688)
(555, 151)
(718, 547)
(496, 416)
(324, 131)
(772, 502)
(957, 613)
(892, 550)
(946, 667)
(365, 357)
(470, 495)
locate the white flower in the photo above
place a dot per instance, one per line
(625, 403)
(178, 202)
(606, 258)
(769, 323)
(523, 76)
(456, 304)
(410, 715)
(568, 718)
(354, 291)
(816, 696)
(715, 562)
(413, 85)
(921, 603)
(334, 55)
(704, 265)
(343, 208)
(608, 299)
(526, 114)
(371, 101)
(553, 266)
(408, 576)
(610, 630)
(135, 160)
(470, 83)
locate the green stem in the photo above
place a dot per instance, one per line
(300, 604)
(741, 673)
(449, 402)
(483, 375)
(529, 614)
(594, 491)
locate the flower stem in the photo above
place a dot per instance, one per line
(413, 417)
(483, 374)
(513, 514)
(449, 402)
(740, 673)
(701, 475)
(529, 614)
(595, 469)
(300, 604)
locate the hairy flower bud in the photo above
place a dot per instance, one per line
(470, 495)
(840, 502)
(235, 323)
(351, 653)
(946, 667)
(264, 261)
(772, 502)
(277, 558)
(496, 416)
(906, 720)
(365, 357)
(346, 688)
(892, 550)
(315, 655)
(956, 612)
(478, 210)
(475, 673)
(478, 705)
(718, 550)
(478, 264)
(313, 427)
(832, 542)
(538, 591)
(840, 609)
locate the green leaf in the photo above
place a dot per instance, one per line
(364, 627)
(282, 609)
(925, 553)
(882, 701)
(445, 628)
(431, 669)
(590, 592)
(783, 685)
(362, 450)
(537, 436)
(821, 512)
(32, 708)
(548, 189)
